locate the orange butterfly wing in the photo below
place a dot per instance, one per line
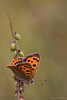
(33, 60)
(25, 68)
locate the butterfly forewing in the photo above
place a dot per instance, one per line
(27, 69)
(16, 61)
(33, 60)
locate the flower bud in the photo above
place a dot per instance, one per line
(21, 54)
(13, 46)
(17, 36)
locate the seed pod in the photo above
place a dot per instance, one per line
(21, 54)
(17, 36)
(13, 46)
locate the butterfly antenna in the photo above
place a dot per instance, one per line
(41, 81)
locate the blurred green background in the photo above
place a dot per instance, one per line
(42, 25)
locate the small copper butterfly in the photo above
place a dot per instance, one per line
(25, 67)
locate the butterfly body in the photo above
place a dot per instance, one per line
(25, 67)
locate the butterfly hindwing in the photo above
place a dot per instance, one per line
(22, 70)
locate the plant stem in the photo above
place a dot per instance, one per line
(19, 84)
(10, 24)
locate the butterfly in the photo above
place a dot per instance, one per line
(25, 68)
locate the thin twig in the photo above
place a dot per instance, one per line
(14, 38)
(10, 24)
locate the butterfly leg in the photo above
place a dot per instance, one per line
(26, 85)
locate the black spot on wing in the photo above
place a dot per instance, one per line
(31, 61)
(32, 68)
(28, 60)
(20, 67)
(27, 70)
(19, 61)
(23, 68)
(36, 59)
(34, 65)
(27, 73)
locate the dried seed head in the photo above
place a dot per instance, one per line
(21, 54)
(17, 36)
(13, 46)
